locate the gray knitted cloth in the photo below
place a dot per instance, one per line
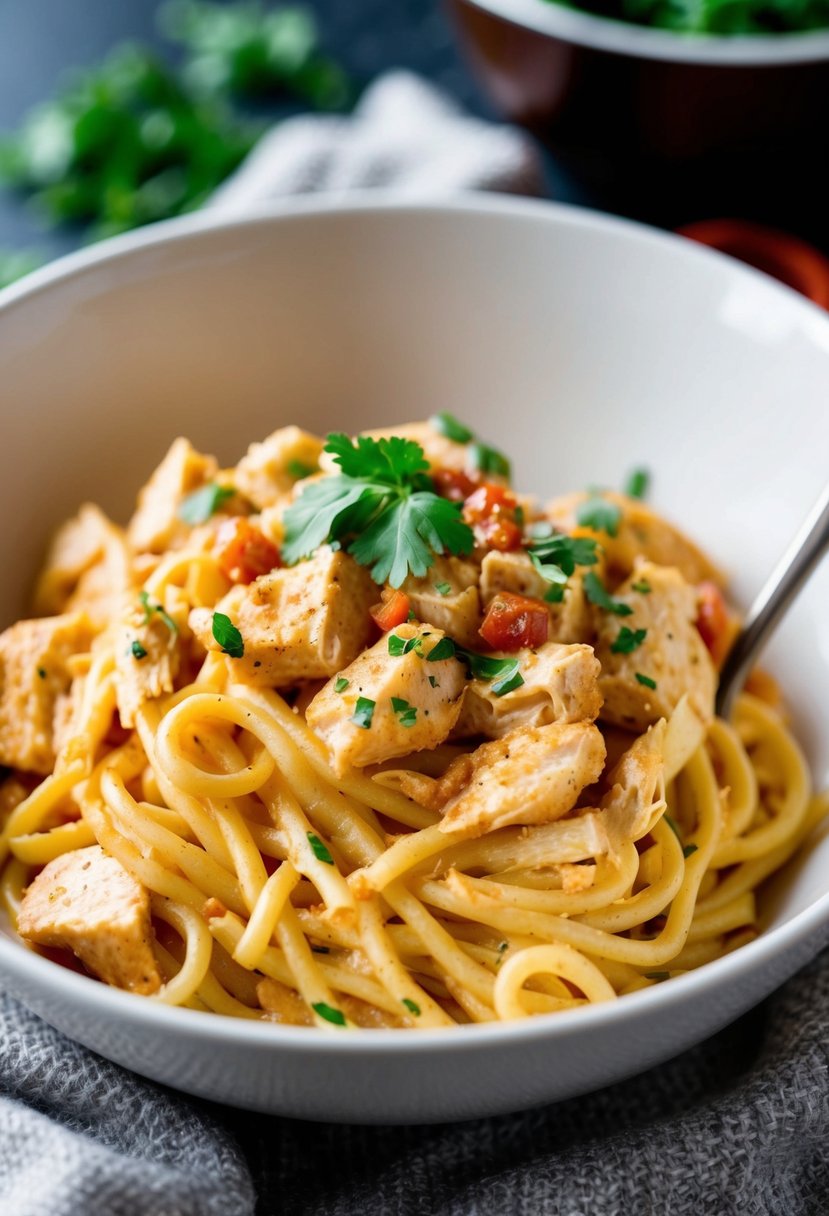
(739, 1125)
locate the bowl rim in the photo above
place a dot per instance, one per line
(556, 20)
(37, 972)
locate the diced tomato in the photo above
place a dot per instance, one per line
(513, 621)
(453, 484)
(490, 511)
(394, 610)
(714, 621)
(243, 551)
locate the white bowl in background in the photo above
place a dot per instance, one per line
(584, 346)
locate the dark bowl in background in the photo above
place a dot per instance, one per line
(661, 125)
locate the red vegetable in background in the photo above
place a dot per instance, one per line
(243, 551)
(393, 611)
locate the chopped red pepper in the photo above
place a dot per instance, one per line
(490, 511)
(514, 621)
(243, 551)
(714, 621)
(393, 611)
(453, 484)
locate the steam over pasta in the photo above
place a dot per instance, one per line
(353, 735)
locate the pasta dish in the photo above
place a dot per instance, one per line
(353, 734)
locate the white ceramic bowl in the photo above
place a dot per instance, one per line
(583, 345)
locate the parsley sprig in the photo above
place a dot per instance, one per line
(599, 514)
(599, 595)
(381, 508)
(505, 674)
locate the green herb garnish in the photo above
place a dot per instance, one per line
(443, 588)
(672, 824)
(381, 508)
(137, 650)
(689, 850)
(406, 713)
(646, 680)
(399, 646)
(412, 1006)
(556, 556)
(510, 679)
(298, 470)
(150, 609)
(637, 483)
(319, 849)
(320, 949)
(643, 587)
(447, 425)
(659, 976)
(599, 515)
(488, 460)
(598, 594)
(197, 507)
(341, 684)
(335, 1016)
(228, 636)
(363, 712)
(444, 649)
(433, 682)
(628, 640)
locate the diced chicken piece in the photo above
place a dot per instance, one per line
(270, 470)
(302, 622)
(636, 780)
(103, 588)
(560, 685)
(570, 620)
(641, 533)
(34, 673)
(447, 597)
(155, 526)
(86, 902)
(672, 653)
(147, 661)
(533, 775)
(414, 701)
(76, 546)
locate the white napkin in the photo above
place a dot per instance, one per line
(404, 134)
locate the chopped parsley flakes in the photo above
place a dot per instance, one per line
(646, 680)
(443, 588)
(643, 587)
(444, 649)
(628, 640)
(406, 713)
(363, 712)
(447, 425)
(298, 470)
(335, 1016)
(689, 850)
(151, 609)
(399, 646)
(599, 515)
(556, 556)
(637, 483)
(41, 671)
(319, 849)
(412, 1006)
(228, 636)
(137, 650)
(598, 594)
(341, 684)
(197, 507)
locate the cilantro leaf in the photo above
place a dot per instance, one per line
(228, 636)
(412, 1006)
(444, 649)
(319, 849)
(509, 679)
(443, 588)
(197, 507)
(598, 594)
(326, 510)
(628, 640)
(449, 426)
(399, 646)
(341, 684)
(149, 609)
(599, 515)
(642, 586)
(645, 680)
(488, 460)
(391, 460)
(298, 469)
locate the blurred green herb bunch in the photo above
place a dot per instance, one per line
(135, 140)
